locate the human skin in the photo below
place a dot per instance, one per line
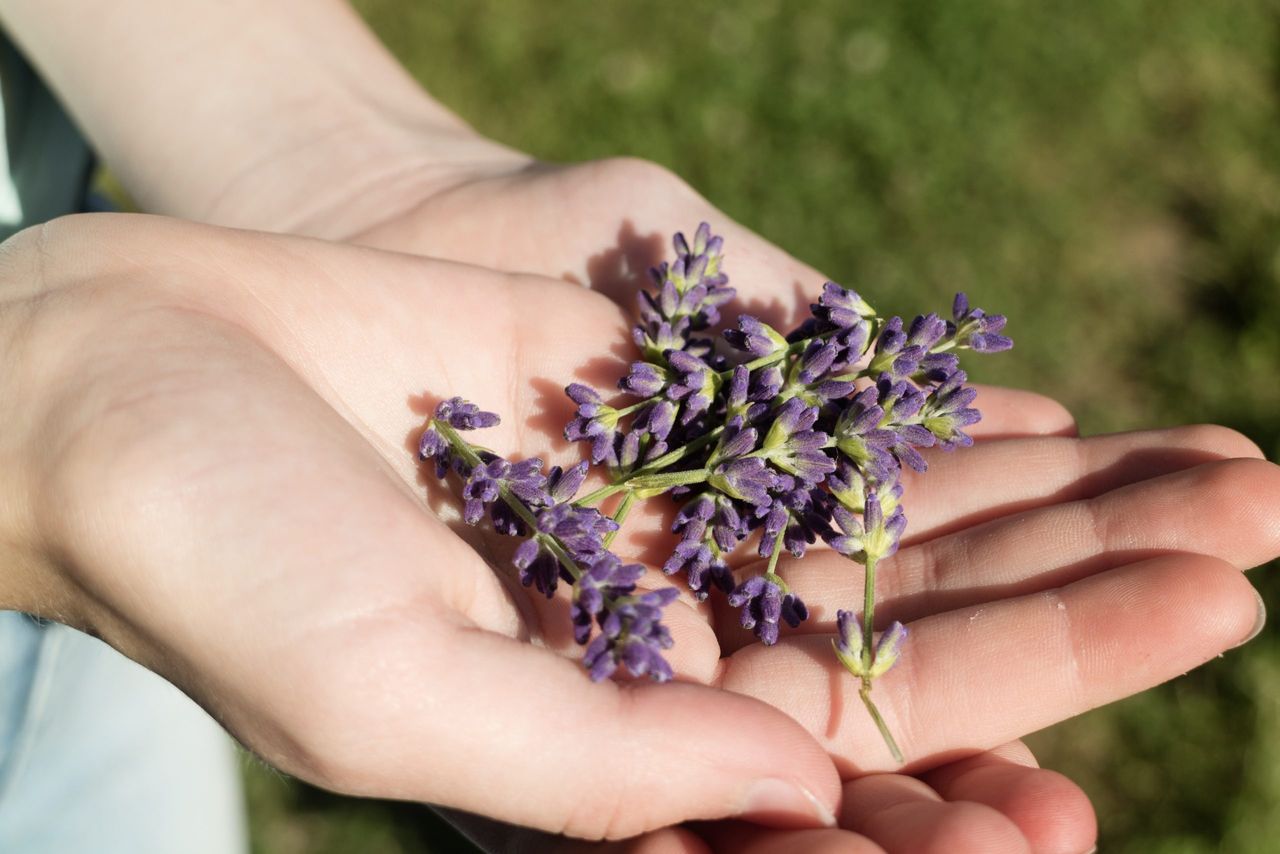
(207, 463)
(349, 148)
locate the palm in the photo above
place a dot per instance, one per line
(1015, 518)
(275, 383)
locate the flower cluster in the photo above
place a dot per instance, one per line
(777, 439)
(796, 437)
(561, 540)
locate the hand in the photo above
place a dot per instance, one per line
(217, 173)
(997, 801)
(179, 385)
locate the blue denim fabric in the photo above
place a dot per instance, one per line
(97, 754)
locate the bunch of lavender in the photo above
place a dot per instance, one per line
(780, 439)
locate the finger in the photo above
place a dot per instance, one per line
(1016, 476)
(903, 814)
(1223, 509)
(1012, 413)
(1000, 478)
(1014, 666)
(276, 569)
(498, 838)
(1052, 812)
(742, 838)
(490, 716)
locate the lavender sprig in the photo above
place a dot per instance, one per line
(789, 438)
(563, 537)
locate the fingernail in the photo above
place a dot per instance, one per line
(781, 802)
(1258, 624)
(1093, 850)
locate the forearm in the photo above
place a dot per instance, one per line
(280, 115)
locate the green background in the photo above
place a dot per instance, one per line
(1107, 174)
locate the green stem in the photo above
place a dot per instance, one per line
(868, 613)
(672, 457)
(464, 449)
(601, 494)
(558, 550)
(620, 516)
(868, 651)
(668, 459)
(865, 693)
(769, 573)
(627, 410)
(791, 350)
(666, 480)
(461, 446)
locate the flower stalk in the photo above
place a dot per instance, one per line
(783, 440)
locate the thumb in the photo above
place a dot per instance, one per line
(492, 725)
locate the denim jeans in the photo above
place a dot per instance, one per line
(99, 755)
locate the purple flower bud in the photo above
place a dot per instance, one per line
(755, 337)
(463, 415)
(594, 421)
(631, 631)
(746, 479)
(563, 484)
(736, 443)
(432, 445)
(763, 605)
(766, 383)
(656, 419)
(861, 439)
(976, 329)
(926, 330)
(794, 448)
(838, 308)
(538, 565)
(848, 634)
(645, 379)
(947, 411)
(887, 649)
(581, 530)
(817, 360)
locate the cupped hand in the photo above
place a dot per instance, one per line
(209, 465)
(1034, 521)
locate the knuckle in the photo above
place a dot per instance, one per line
(626, 173)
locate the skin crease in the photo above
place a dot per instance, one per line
(204, 381)
(170, 373)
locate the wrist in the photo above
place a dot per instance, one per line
(373, 167)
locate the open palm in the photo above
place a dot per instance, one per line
(241, 408)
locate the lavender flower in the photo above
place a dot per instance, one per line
(631, 631)
(594, 421)
(794, 447)
(459, 415)
(755, 337)
(976, 329)
(877, 535)
(746, 479)
(695, 383)
(607, 579)
(948, 410)
(850, 645)
(644, 379)
(633, 636)
(764, 604)
(839, 308)
(462, 415)
(861, 439)
(778, 434)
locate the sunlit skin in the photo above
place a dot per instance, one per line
(207, 459)
(209, 465)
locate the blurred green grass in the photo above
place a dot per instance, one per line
(1108, 174)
